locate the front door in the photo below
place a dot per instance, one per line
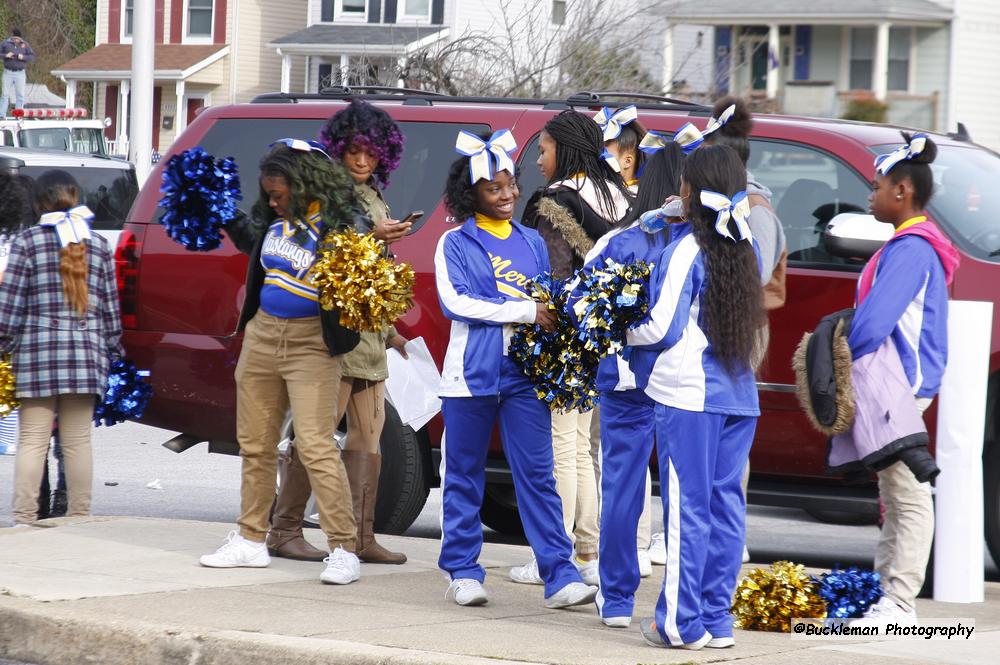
(194, 104)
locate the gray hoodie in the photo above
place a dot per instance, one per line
(766, 229)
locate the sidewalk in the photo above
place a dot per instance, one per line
(126, 591)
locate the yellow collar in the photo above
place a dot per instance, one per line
(632, 181)
(501, 228)
(913, 221)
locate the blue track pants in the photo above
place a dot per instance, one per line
(526, 432)
(701, 458)
(627, 436)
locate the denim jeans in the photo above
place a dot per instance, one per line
(13, 86)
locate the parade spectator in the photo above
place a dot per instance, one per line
(902, 298)
(291, 355)
(485, 388)
(59, 316)
(627, 415)
(367, 141)
(705, 308)
(583, 199)
(16, 54)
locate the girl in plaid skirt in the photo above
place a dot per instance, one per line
(59, 320)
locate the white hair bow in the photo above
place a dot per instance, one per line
(736, 209)
(885, 163)
(611, 122)
(71, 226)
(499, 145)
(715, 124)
(302, 145)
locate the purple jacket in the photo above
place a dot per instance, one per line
(888, 426)
(16, 46)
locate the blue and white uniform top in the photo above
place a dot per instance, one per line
(625, 245)
(684, 373)
(477, 290)
(288, 255)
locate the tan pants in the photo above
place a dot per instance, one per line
(644, 531)
(37, 414)
(904, 544)
(364, 403)
(575, 481)
(284, 362)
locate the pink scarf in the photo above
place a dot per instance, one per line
(946, 252)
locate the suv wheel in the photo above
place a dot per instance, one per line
(403, 487)
(499, 511)
(991, 498)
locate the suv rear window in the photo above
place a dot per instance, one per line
(417, 184)
(108, 192)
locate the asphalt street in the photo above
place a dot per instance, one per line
(135, 476)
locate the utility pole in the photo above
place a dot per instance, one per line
(141, 112)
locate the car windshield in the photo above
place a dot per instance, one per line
(86, 140)
(108, 192)
(966, 197)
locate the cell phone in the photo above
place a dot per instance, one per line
(412, 217)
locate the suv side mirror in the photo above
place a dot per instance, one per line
(851, 235)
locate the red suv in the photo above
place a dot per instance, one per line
(180, 308)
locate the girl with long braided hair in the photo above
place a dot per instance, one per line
(584, 198)
(59, 318)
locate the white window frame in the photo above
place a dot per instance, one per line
(340, 15)
(911, 63)
(405, 15)
(124, 38)
(552, 12)
(196, 39)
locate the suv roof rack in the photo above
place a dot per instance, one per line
(338, 91)
(587, 97)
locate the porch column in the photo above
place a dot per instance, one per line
(734, 46)
(70, 93)
(668, 59)
(345, 68)
(401, 67)
(307, 80)
(180, 120)
(286, 71)
(123, 98)
(880, 75)
(773, 59)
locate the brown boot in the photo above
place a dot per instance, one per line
(285, 537)
(362, 473)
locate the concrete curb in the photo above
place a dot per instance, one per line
(48, 637)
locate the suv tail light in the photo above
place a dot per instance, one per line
(127, 273)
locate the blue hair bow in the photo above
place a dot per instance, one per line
(688, 137)
(885, 163)
(611, 122)
(499, 145)
(736, 209)
(302, 146)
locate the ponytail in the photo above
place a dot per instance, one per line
(73, 269)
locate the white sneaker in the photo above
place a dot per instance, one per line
(720, 643)
(466, 592)
(887, 610)
(588, 571)
(658, 549)
(237, 552)
(526, 574)
(645, 564)
(342, 567)
(617, 622)
(746, 554)
(574, 593)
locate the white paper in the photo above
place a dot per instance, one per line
(413, 384)
(958, 530)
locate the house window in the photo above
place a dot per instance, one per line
(417, 9)
(558, 12)
(899, 58)
(862, 58)
(326, 11)
(199, 18)
(351, 9)
(127, 18)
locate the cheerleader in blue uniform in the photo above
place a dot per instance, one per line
(627, 432)
(706, 304)
(482, 269)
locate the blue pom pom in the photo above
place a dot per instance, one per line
(849, 592)
(200, 194)
(126, 396)
(611, 298)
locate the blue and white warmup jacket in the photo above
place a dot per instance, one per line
(480, 314)
(685, 373)
(909, 302)
(625, 245)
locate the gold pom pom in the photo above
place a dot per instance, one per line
(354, 276)
(768, 599)
(8, 402)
